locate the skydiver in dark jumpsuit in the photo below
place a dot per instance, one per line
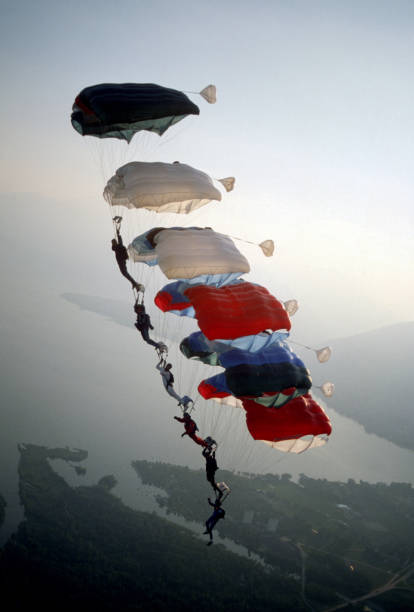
(211, 469)
(121, 255)
(143, 324)
(218, 514)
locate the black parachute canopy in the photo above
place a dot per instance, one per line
(111, 110)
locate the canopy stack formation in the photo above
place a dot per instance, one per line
(243, 328)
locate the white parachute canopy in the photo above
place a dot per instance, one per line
(190, 252)
(160, 187)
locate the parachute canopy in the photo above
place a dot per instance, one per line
(299, 417)
(160, 187)
(268, 371)
(236, 310)
(196, 346)
(229, 312)
(113, 110)
(189, 252)
(216, 388)
(254, 380)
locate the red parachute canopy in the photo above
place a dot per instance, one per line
(300, 417)
(237, 310)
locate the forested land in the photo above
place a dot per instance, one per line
(81, 547)
(348, 538)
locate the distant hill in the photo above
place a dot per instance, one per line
(122, 313)
(114, 310)
(372, 375)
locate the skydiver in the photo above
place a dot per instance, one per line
(218, 514)
(211, 469)
(186, 403)
(190, 427)
(121, 255)
(167, 378)
(143, 324)
(212, 444)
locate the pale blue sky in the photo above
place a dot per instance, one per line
(314, 118)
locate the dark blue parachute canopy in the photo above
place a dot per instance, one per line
(111, 110)
(272, 369)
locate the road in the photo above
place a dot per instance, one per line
(392, 583)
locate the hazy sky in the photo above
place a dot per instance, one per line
(314, 118)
